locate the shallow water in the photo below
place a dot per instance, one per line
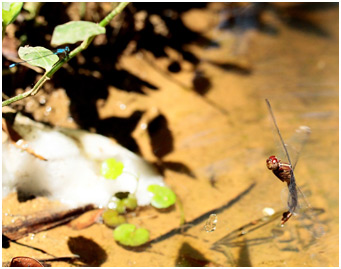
(221, 141)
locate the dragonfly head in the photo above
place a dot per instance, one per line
(272, 163)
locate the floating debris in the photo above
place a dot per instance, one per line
(211, 223)
(268, 211)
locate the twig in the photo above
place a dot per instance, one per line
(72, 54)
(41, 221)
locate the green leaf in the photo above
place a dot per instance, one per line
(38, 56)
(10, 10)
(128, 235)
(74, 31)
(111, 169)
(130, 202)
(112, 219)
(163, 196)
(120, 207)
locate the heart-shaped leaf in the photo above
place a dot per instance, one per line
(128, 235)
(38, 56)
(130, 202)
(74, 31)
(111, 169)
(163, 196)
(112, 219)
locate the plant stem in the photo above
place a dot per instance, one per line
(113, 13)
(182, 212)
(72, 54)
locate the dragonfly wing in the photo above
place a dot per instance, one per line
(279, 139)
(302, 199)
(285, 196)
(289, 151)
(297, 142)
(288, 200)
(309, 216)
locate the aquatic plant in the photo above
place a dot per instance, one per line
(129, 235)
(112, 218)
(163, 196)
(111, 169)
(122, 204)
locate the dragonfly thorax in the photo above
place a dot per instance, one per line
(281, 170)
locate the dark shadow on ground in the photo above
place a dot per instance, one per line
(90, 253)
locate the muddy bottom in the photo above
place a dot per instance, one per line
(209, 131)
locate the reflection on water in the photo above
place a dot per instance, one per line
(267, 232)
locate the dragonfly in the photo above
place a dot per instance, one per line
(285, 171)
(65, 51)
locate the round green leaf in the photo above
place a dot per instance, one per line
(120, 207)
(10, 10)
(163, 196)
(112, 219)
(128, 235)
(111, 169)
(130, 202)
(74, 31)
(38, 56)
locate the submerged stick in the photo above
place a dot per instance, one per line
(41, 221)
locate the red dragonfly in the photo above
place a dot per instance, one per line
(285, 171)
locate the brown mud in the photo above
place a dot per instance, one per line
(191, 100)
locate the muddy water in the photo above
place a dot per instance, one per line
(223, 139)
